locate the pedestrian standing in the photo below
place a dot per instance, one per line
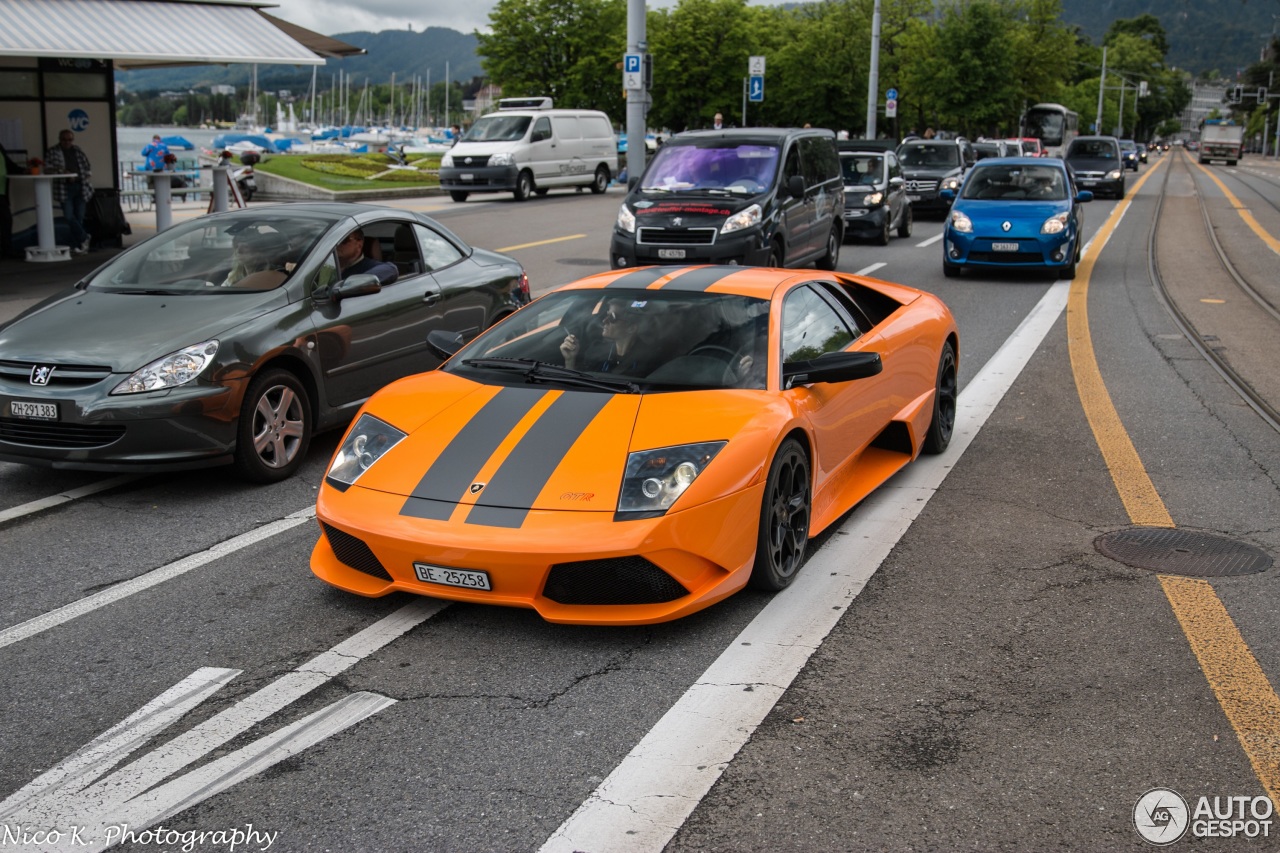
(155, 154)
(66, 158)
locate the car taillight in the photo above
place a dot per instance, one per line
(522, 287)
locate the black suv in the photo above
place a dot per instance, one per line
(756, 196)
(930, 165)
(1095, 162)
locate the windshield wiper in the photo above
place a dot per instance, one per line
(541, 371)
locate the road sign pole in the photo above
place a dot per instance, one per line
(744, 101)
(637, 43)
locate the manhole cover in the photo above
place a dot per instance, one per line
(1171, 551)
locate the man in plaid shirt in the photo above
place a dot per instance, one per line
(67, 158)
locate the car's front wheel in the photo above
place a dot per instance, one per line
(784, 520)
(944, 403)
(524, 185)
(904, 228)
(458, 195)
(274, 429)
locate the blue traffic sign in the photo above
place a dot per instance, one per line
(891, 95)
(755, 89)
(631, 63)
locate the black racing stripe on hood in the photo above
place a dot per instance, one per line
(521, 477)
(701, 278)
(641, 278)
(455, 469)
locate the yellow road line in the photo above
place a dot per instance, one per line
(541, 243)
(1244, 212)
(1237, 680)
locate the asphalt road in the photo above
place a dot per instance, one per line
(957, 668)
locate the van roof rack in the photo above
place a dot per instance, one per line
(538, 103)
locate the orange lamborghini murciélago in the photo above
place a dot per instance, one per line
(639, 444)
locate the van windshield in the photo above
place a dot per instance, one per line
(746, 169)
(497, 128)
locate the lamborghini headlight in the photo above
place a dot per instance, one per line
(961, 223)
(742, 219)
(1055, 224)
(656, 478)
(626, 220)
(368, 440)
(173, 370)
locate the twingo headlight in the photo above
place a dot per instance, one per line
(1055, 224)
(961, 223)
(626, 220)
(742, 219)
(503, 159)
(656, 478)
(173, 370)
(363, 446)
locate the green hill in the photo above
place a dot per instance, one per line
(401, 52)
(1204, 35)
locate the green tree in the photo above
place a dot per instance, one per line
(565, 49)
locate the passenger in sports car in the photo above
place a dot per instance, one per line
(621, 348)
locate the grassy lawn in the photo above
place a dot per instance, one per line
(293, 166)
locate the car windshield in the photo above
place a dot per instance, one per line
(1092, 149)
(660, 340)
(739, 168)
(236, 253)
(861, 169)
(926, 154)
(1016, 183)
(497, 128)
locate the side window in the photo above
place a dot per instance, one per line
(541, 130)
(792, 165)
(846, 307)
(811, 327)
(895, 168)
(811, 161)
(437, 252)
(326, 275)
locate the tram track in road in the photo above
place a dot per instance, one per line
(1264, 314)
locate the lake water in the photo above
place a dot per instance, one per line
(131, 140)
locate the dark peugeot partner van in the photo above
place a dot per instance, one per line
(753, 196)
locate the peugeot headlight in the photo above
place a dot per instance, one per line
(501, 160)
(742, 219)
(368, 440)
(961, 223)
(446, 162)
(874, 198)
(952, 183)
(1055, 224)
(1113, 175)
(626, 220)
(656, 478)
(173, 370)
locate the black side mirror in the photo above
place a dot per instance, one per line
(357, 285)
(632, 182)
(831, 367)
(444, 344)
(795, 186)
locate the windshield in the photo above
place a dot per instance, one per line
(1046, 126)
(497, 128)
(1092, 149)
(225, 254)
(746, 169)
(1016, 183)
(927, 154)
(861, 169)
(1128, 145)
(663, 341)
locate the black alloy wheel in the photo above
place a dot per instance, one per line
(784, 520)
(943, 423)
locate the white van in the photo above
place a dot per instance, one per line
(527, 147)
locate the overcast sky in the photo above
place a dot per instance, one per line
(331, 17)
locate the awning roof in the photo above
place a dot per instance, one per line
(138, 33)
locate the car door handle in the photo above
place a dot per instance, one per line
(430, 297)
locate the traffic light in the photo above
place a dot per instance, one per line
(1237, 93)
(1262, 94)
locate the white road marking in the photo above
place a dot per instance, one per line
(64, 497)
(869, 270)
(935, 238)
(66, 613)
(648, 797)
(72, 794)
